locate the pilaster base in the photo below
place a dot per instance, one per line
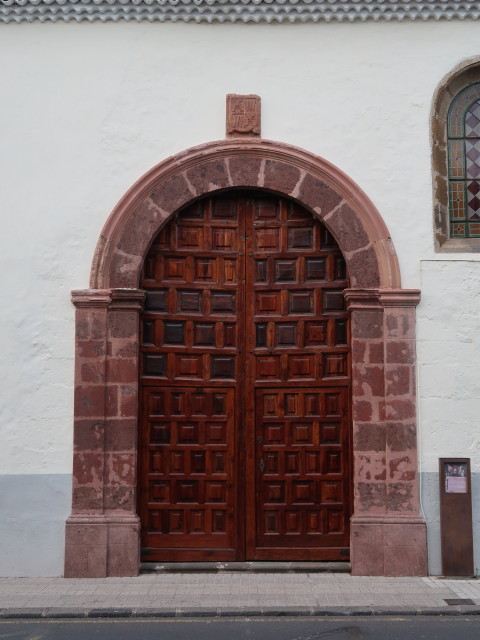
(102, 546)
(388, 546)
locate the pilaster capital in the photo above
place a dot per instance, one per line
(124, 299)
(399, 297)
(127, 299)
(89, 298)
(362, 299)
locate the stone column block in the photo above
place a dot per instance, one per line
(102, 534)
(86, 547)
(388, 536)
(123, 555)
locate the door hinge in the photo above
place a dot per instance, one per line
(261, 466)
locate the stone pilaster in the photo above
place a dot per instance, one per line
(387, 533)
(102, 534)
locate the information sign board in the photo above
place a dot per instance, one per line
(456, 516)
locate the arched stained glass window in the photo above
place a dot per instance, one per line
(456, 159)
(463, 131)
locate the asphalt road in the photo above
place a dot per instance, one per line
(341, 628)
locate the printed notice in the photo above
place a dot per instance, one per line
(455, 477)
(455, 485)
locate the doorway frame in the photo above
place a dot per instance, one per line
(388, 534)
(247, 505)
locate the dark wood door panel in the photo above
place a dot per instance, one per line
(298, 367)
(188, 453)
(190, 367)
(301, 467)
(244, 307)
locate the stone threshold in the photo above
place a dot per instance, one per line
(246, 567)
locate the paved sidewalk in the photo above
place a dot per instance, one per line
(233, 593)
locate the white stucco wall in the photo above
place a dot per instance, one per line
(448, 352)
(88, 108)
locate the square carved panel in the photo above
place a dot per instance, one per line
(223, 366)
(300, 302)
(189, 301)
(190, 237)
(267, 302)
(222, 302)
(300, 238)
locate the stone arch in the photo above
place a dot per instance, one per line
(318, 185)
(387, 532)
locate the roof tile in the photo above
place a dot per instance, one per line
(236, 10)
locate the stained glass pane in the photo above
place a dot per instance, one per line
(472, 157)
(457, 200)
(458, 230)
(455, 158)
(464, 163)
(458, 108)
(474, 229)
(473, 200)
(472, 121)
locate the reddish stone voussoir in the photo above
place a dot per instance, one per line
(256, 164)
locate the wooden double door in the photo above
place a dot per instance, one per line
(244, 417)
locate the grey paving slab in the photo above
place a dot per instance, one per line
(219, 593)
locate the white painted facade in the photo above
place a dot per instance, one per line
(86, 109)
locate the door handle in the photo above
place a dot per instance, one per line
(261, 466)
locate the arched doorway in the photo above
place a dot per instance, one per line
(387, 533)
(244, 370)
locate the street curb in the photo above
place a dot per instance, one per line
(231, 612)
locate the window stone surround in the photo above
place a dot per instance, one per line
(461, 77)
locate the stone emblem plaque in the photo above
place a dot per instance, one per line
(243, 115)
